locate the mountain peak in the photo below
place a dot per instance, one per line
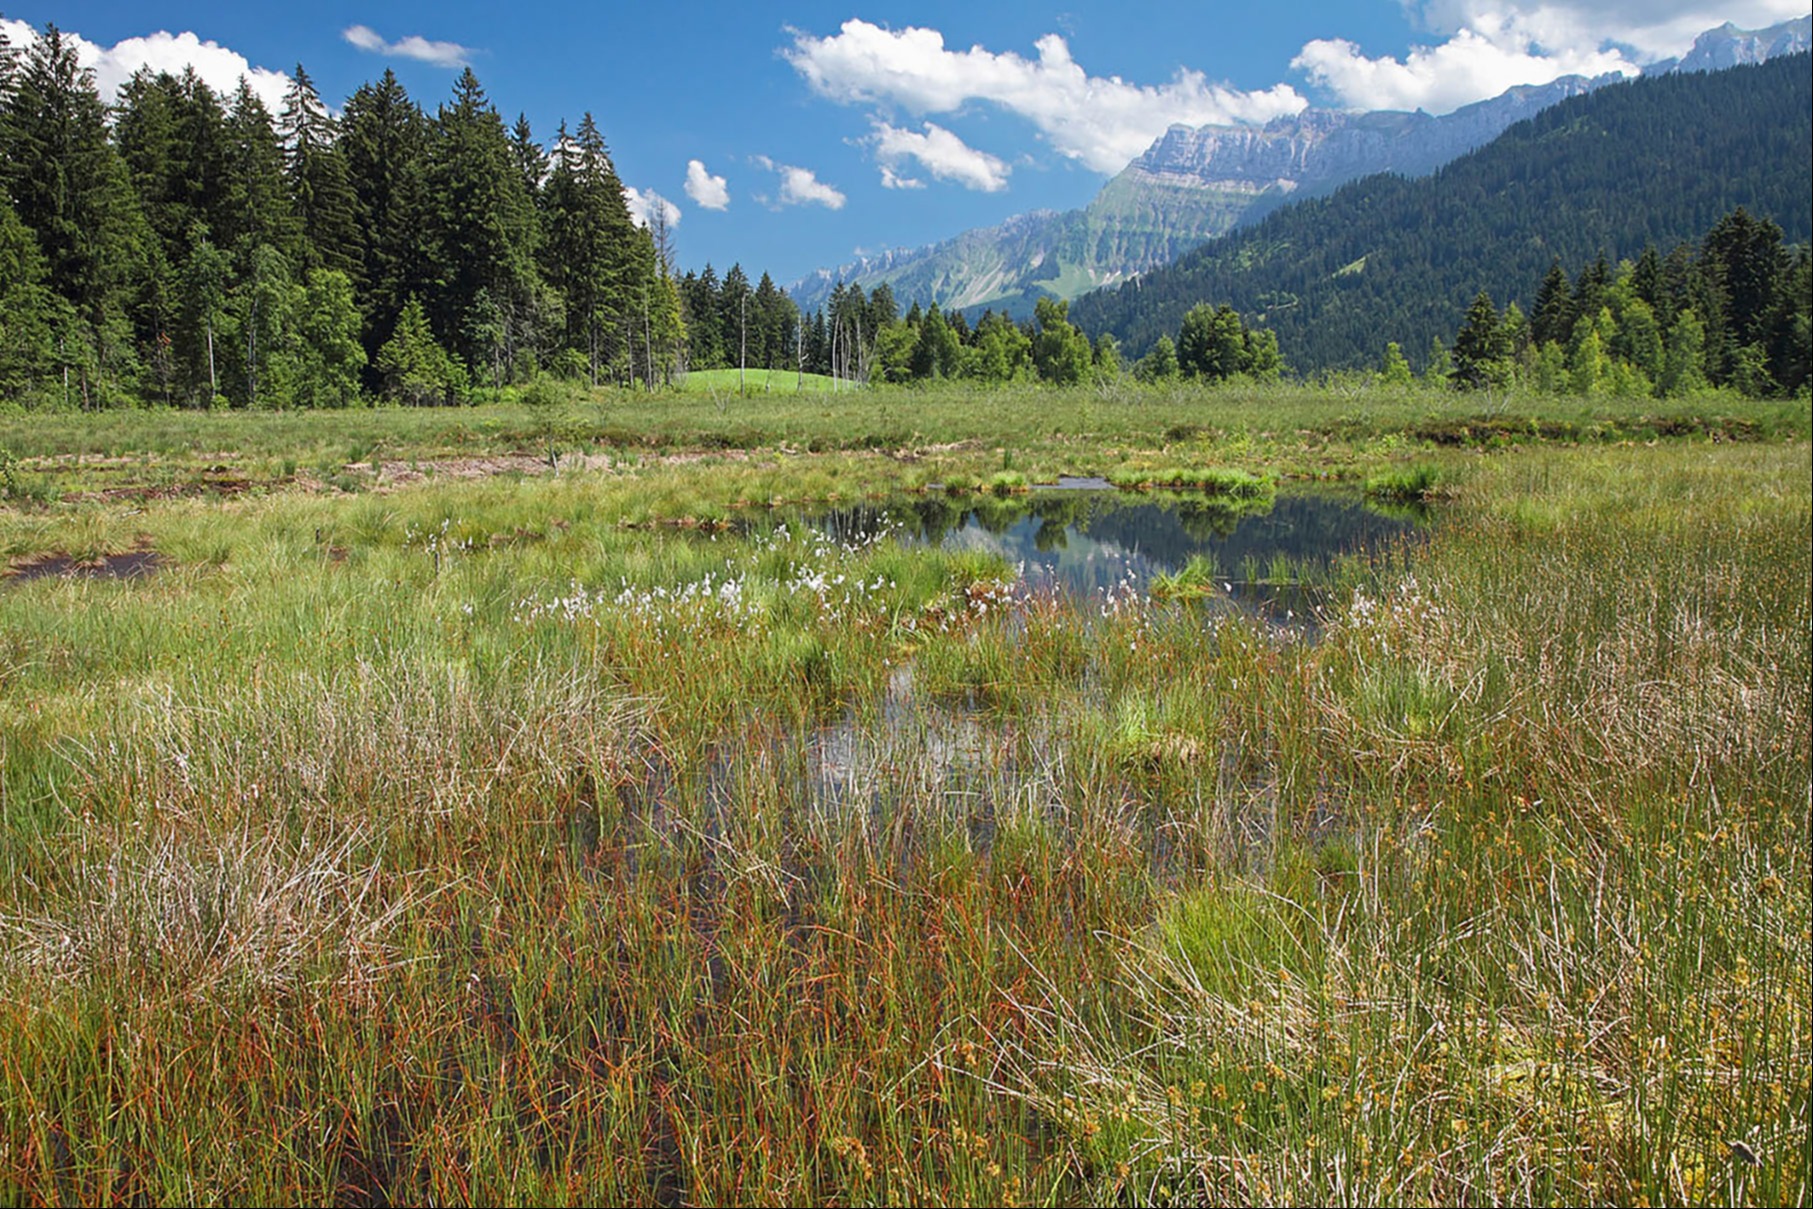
(1195, 183)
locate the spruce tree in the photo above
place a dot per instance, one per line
(482, 226)
(384, 141)
(704, 334)
(26, 309)
(1481, 356)
(70, 188)
(1552, 319)
(591, 254)
(255, 209)
(531, 160)
(734, 317)
(321, 195)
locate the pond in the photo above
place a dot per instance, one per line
(1270, 556)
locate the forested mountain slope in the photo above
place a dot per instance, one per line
(1652, 161)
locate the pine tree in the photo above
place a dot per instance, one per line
(256, 207)
(321, 195)
(1394, 370)
(733, 318)
(26, 308)
(591, 252)
(1552, 319)
(416, 370)
(704, 335)
(935, 351)
(1160, 365)
(1481, 357)
(482, 228)
(531, 160)
(384, 141)
(69, 187)
(1745, 258)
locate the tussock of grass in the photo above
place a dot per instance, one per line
(1415, 483)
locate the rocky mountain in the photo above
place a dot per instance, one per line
(1194, 184)
(1648, 163)
(1729, 46)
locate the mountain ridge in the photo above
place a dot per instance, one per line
(1194, 184)
(1654, 161)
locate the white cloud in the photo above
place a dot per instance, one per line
(441, 54)
(643, 206)
(893, 180)
(800, 186)
(1469, 67)
(217, 66)
(707, 190)
(941, 153)
(1102, 121)
(1493, 45)
(1653, 29)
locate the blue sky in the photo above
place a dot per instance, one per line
(792, 136)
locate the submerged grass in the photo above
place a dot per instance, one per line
(487, 841)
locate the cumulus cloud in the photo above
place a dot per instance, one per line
(1652, 29)
(940, 153)
(440, 54)
(1101, 121)
(707, 190)
(801, 186)
(1470, 66)
(644, 205)
(1493, 45)
(216, 65)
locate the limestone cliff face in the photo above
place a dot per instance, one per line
(1729, 46)
(1195, 183)
(1320, 148)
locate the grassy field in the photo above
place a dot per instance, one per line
(759, 382)
(463, 811)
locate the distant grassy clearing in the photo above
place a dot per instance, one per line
(760, 381)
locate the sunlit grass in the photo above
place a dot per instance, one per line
(581, 836)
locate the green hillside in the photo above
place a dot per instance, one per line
(1655, 161)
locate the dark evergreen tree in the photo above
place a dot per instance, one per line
(321, 195)
(1552, 318)
(531, 159)
(70, 188)
(172, 133)
(481, 227)
(704, 334)
(255, 208)
(1742, 257)
(733, 317)
(1481, 356)
(591, 252)
(384, 141)
(27, 309)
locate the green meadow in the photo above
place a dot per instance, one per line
(518, 804)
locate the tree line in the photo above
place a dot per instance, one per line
(1731, 311)
(191, 248)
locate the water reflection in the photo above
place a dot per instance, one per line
(1269, 556)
